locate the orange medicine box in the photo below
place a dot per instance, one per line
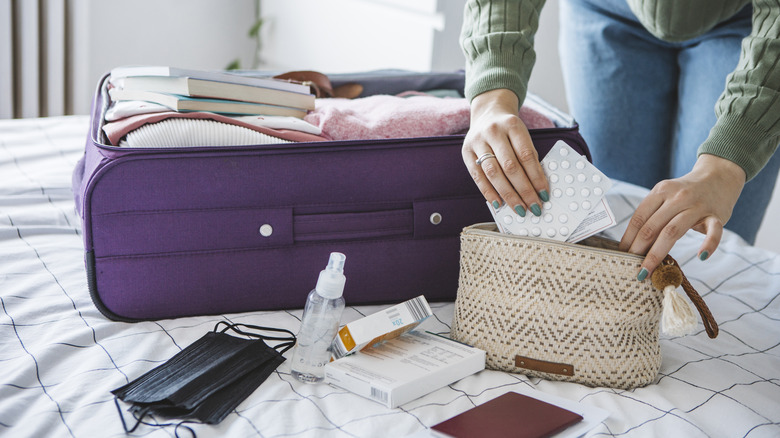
(380, 326)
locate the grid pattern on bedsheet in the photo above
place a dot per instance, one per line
(59, 357)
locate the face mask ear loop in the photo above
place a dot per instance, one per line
(227, 327)
(286, 346)
(237, 328)
(183, 424)
(138, 420)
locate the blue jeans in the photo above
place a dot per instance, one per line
(645, 105)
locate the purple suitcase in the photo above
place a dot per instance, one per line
(176, 232)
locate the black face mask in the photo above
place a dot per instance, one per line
(207, 380)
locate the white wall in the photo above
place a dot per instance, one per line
(333, 36)
(205, 34)
(546, 78)
(338, 36)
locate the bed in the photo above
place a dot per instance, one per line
(59, 357)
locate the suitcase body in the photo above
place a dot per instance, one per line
(212, 230)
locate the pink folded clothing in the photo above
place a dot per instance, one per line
(373, 117)
(385, 116)
(118, 129)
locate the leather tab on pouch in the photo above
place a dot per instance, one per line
(544, 366)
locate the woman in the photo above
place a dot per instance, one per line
(642, 77)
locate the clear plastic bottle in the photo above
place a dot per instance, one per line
(320, 322)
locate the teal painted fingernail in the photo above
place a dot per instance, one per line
(544, 195)
(496, 205)
(703, 256)
(536, 210)
(520, 210)
(642, 275)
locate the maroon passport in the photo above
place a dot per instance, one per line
(509, 415)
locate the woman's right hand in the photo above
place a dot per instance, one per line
(508, 167)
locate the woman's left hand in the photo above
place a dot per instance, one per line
(701, 200)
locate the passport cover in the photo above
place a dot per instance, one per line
(511, 414)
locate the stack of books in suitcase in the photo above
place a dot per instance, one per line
(188, 90)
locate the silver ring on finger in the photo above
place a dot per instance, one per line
(483, 157)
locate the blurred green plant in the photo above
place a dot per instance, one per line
(254, 34)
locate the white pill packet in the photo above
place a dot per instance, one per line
(600, 219)
(577, 188)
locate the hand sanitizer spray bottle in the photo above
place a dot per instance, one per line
(320, 322)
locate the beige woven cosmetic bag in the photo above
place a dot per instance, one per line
(560, 311)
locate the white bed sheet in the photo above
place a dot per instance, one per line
(59, 357)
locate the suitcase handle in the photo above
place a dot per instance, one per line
(353, 226)
(421, 219)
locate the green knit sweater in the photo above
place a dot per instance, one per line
(497, 39)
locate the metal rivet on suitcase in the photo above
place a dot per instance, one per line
(436, 218)
(266, 230)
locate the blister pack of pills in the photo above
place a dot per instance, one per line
(577, 207)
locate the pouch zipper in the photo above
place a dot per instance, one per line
(474, 229)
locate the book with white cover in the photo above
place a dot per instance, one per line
(208, 75)
(405, 368)
(222, 106)
(185, 86)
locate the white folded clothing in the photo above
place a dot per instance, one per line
(120, 110)
(279, 122)
(184, 132)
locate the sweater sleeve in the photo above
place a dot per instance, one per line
(497, 39)
(747, 131)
